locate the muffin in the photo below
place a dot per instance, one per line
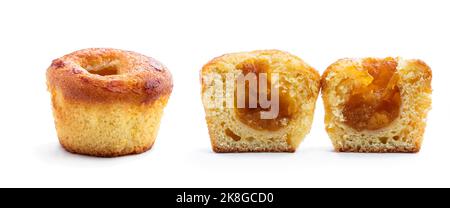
(260, 101)
(108, 102)
(376, 105)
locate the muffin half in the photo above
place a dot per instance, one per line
(108, 102)
(376, 105)
(260, 101)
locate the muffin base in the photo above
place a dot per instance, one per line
(378, 149)
(104, 153)
(106, 129)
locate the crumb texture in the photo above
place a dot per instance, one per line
(241, 130)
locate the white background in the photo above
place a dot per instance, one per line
(184, 35)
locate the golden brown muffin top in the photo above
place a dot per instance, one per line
(101, 75)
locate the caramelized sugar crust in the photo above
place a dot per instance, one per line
(103, 75)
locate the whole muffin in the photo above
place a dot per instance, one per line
(108, 102)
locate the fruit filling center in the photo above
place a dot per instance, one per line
(251, 115)
(375, 103)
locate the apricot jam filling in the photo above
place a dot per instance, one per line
(376, 102)
(252, 116)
